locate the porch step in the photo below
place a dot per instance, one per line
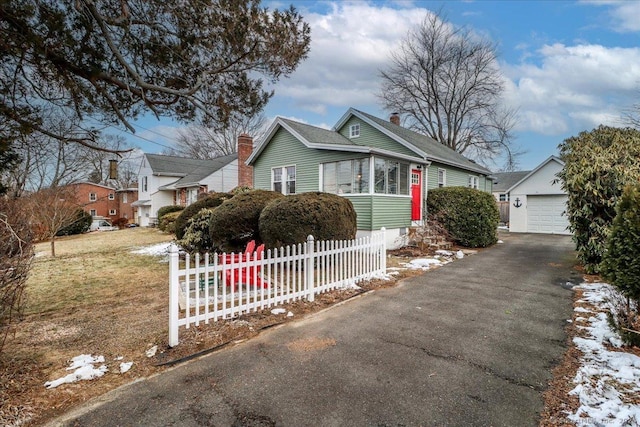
(426, 237)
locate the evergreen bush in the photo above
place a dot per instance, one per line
(168, 222)
(621, 260)
(470, 216)
(80, 225)
(197, 237)
(211, 201)
(235, 222)
(168, 209)
(289, 220)
(598, 164)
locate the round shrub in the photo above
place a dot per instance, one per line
(211, 201)
(80, 225)
(168, 222)
(168, 209)
(291, 219)
(196, 236)
(470, 216)
(235, 223)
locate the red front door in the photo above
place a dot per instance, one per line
(416, 194)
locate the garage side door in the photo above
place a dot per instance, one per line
(544, 214)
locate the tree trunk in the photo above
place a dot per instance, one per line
(53, 245)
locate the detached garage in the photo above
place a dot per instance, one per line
(537, 203)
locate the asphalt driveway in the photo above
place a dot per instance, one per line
(470, 344)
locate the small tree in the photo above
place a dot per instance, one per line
(621, 260)
(598, 164)
(52, 210)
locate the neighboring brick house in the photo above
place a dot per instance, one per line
(126, 197)
(105, 201)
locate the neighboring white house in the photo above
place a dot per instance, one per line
(170, 180)
(537, 202)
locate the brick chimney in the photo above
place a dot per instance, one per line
(395, 119)
(245, 147)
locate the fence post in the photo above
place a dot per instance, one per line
(383, 261)
(174, 284)
(309, 268)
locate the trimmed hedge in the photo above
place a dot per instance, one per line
(168, 209)
(291, 219)
(470, 216)
(211, 201)
(80, 225)
(235, 222)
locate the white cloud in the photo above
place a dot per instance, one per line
(349, 44)
(579, 86)
(624, 13)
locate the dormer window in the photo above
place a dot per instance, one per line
(354, 131)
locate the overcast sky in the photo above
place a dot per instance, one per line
(569, 66)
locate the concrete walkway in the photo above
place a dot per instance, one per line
(470, 344)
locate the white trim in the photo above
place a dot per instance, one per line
(284, 178)
(444, 177)
(540, 166)
(354, 130)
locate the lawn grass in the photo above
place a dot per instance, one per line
(94, 268)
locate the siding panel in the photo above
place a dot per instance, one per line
(371, 137)
(390, 212)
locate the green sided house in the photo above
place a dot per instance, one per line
(384, 169)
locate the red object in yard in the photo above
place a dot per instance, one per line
(251, 274)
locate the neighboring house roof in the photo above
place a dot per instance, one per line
(141, 203)
(93, 184)
(540, 166)
(425, 148)
(505, 180)
(189, 171)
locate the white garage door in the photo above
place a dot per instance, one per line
(544, 214)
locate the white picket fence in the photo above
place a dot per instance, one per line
(203, 288)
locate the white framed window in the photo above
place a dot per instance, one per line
(124, 197)
(474, 182)
(92, 212)
(391, 177)
(112, 196)
(283, 179)
(442, 177)
(354, 130)
(503, 197)
(93, 197)
(112, 211)
(346, 177)
(144, 183)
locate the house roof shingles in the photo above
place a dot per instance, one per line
(505, 180)
(318, 135)
(189, 171)
(433, 149)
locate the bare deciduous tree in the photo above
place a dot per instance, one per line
(16, 254)
(50, 210)
(202, 142)
(446, 83)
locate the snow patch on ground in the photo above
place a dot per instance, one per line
(158, 250)
(605, 377)
(83, 369)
